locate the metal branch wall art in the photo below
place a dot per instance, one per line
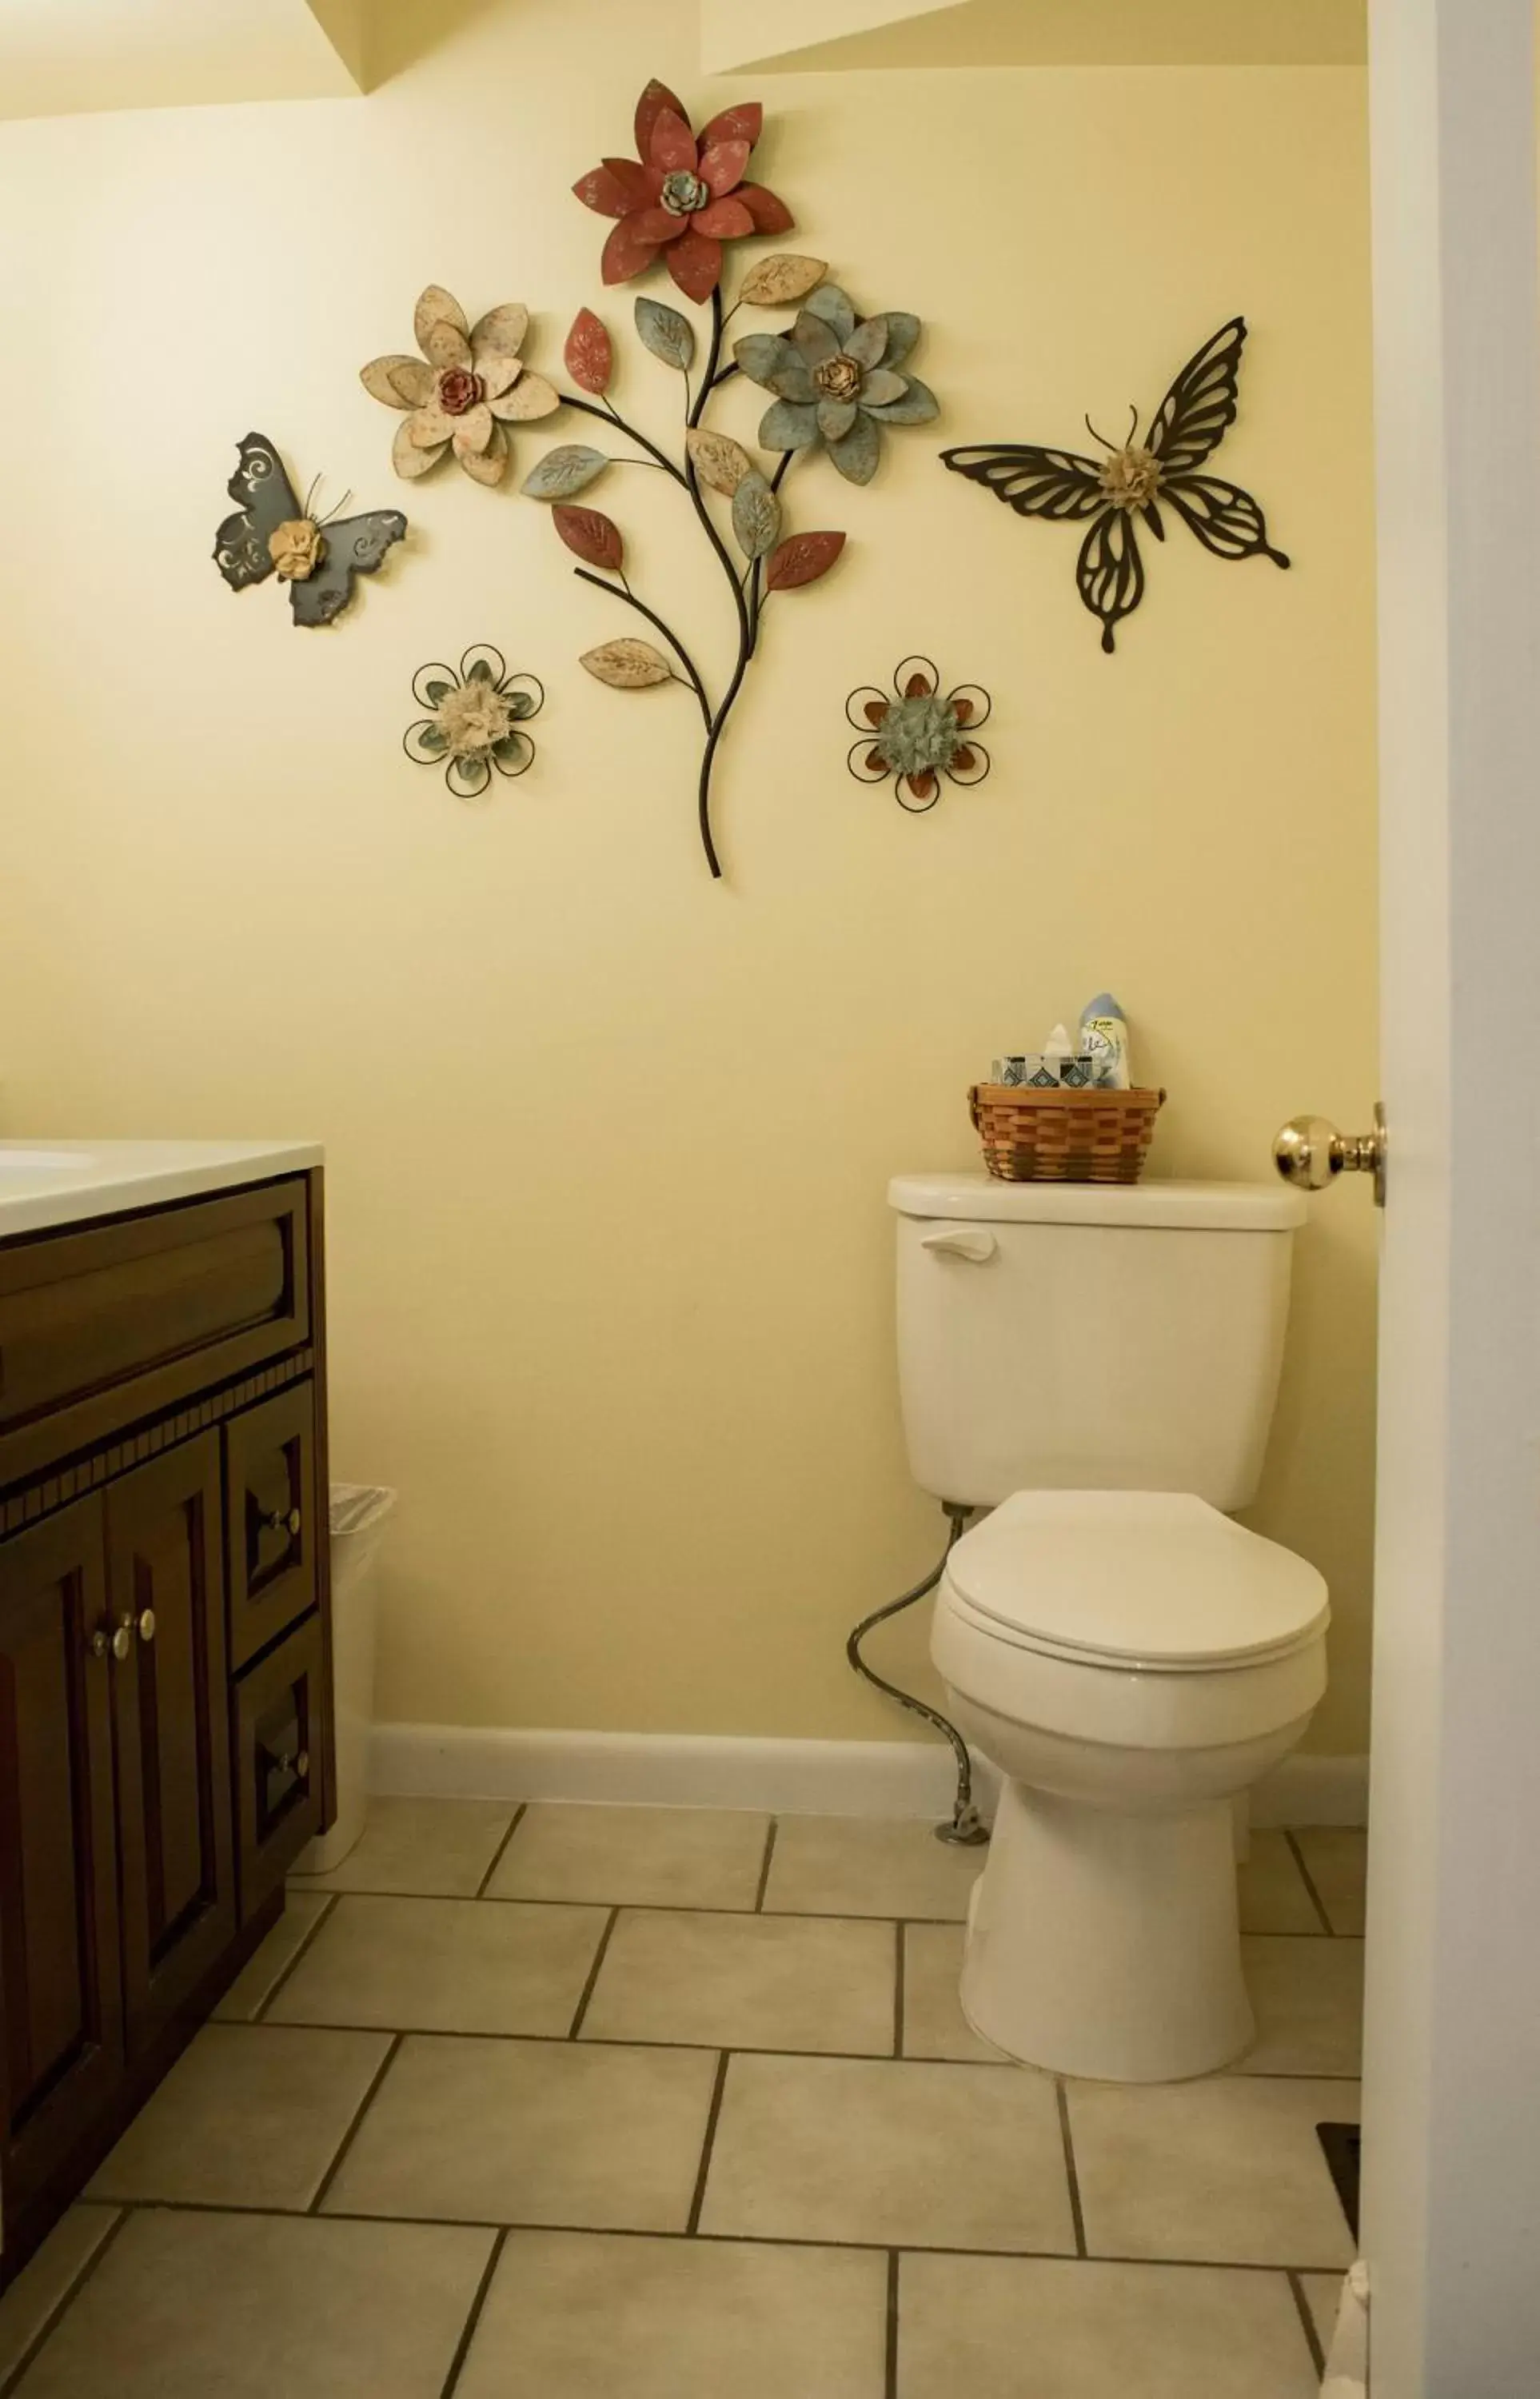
(835, 378)
(476, 720)
(1134, 479)
(271, 533)
(916, 736)
(837, 382)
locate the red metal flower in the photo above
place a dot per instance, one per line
(681, 195)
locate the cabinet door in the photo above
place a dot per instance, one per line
(279, 1711)
(60, 1992)
(165, 1597)
(274, 1535)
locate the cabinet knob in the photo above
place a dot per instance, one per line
(123, 1640)
(148, 1626)
(299, 1766)
(100, 1645)
(283, 1520)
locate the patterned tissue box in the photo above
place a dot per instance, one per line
(1035, 1073)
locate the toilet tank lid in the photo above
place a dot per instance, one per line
(1205, 1207)
(1156, 1577)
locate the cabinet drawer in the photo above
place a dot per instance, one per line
(272, 1519)
(116, 1323)
(279, 1710)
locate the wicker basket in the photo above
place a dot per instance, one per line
(1062, 1136)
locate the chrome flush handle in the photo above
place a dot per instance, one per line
(963, 1241)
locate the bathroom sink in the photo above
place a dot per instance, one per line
(23, 1159)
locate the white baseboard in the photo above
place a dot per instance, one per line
(790, 1778)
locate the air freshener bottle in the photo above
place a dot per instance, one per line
(1105, 1038)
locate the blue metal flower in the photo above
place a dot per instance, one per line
(836, 380)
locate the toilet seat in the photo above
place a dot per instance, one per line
(1151, 1581)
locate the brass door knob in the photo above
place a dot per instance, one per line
(1310, 1152)
(148, 1626)
(123, 1640)
(284, 1520)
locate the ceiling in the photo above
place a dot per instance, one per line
(808, 34)
(57, 57)
(61, 56)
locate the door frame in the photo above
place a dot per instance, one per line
(1451, 2090)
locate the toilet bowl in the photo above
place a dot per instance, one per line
(1130, 1661)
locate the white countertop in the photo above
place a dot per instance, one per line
(45, 1183)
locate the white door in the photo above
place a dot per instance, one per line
(1451, 2220)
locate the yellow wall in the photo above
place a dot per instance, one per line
(609, 1258)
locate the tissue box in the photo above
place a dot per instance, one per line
(1035, 1073)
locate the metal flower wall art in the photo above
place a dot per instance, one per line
(271, 533)
(837, 382)
(684, 196)
(1136, 479)
(469, 385)
(475, 721)
(915, 737)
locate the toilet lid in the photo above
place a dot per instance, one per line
(1155, 1577)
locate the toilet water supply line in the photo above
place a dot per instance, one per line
(966, 1827)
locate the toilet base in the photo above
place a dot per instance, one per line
(1108, 1945)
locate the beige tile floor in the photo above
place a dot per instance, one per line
(647, 2102)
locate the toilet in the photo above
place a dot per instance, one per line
(1096, 1366)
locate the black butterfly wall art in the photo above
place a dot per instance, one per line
(271, 533)
(1138, 480)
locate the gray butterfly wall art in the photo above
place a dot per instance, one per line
(271, 533)
(1138, 479)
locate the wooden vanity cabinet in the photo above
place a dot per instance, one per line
(165, 1646)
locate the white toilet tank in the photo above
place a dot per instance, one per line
(1089, 1337)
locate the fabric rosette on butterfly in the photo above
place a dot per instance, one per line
(476, 720)
(468, 385)
(837, 381)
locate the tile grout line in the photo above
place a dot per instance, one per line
(461, 2346)
(1001, 2065)
(728, 2240)
(1298, 1855)
(587, 1990)
(764, 1865)
(1308, 2320)
(480, 1891)
(1071, 2175)
(352, 2133)
(890, 2376)
(699, 2197)
(674, 1907)
(56, 2314)
(325, 1917)
(899, 1939)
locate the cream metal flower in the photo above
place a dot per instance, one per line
(476, 720)
(467, 385)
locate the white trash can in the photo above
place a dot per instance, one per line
(358, 1513)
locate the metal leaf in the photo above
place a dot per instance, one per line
(756, 516)
(628, 665)
(803, 559)
(588, 352)
(720, 462)
(563, 471)
(595, 538)
(776, 282)
(669, 335)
